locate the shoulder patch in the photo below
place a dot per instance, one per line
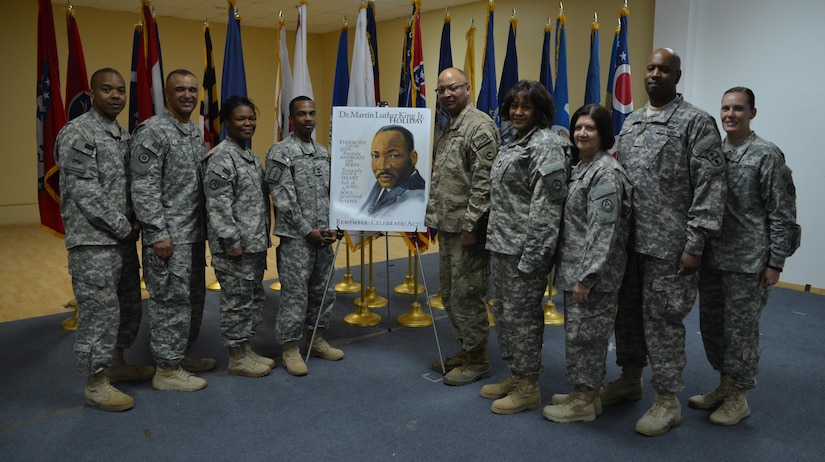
(275, 172)
(216, 184)
(554, 177)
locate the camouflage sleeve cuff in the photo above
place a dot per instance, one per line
(695, 244)
(589, 281)
(229, 243)
(776, 262)
(153, 237)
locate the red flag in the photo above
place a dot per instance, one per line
(50, 119)
(77, 83)
(152, 55)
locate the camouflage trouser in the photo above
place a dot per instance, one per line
(303, 270)
(242, 295)
(653, 303)
(106, 284)
(177, 289)
(464, 277)
(730, 305)
(587, 328)
(518, 313)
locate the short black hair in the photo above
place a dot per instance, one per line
(106, 70)
(295, 100)
(604, 125)
(747, 91)
(233, 102)
(409, 141)
(539, 97)
(183, 72)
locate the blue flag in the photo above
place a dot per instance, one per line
(372, 37)
(340, 88)
(405, 86)
(233, 75)
(592, 85)
(561, 121)
(509, 76)
(546, 73)
(619, 83)
(445, 60)
(487, 98)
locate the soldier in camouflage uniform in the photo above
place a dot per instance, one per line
(527, 189)
(759, 232)
(92, 153)
(298, 174)
(671, 152)
(458, 207)
(590, 261)
(237, 208)
(167, 190)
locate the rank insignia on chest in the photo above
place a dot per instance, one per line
(640, 141)
(318, 170)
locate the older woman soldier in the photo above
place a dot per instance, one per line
(528, 187)
(237, 206)
(590, 261)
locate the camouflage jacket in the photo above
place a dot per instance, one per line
(92, 155)
(674, 161)
(298, 175)
(237, 199)
(759, 228)
(167, 180)
(592, 246)
(460, 189)
(528, 186)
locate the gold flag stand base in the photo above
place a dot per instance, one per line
(214, 286)
(348, 285)
(373, 299)
(275, 286)
(436, 302)
(407, 287)
(70, 323)
(415, 317)
(362, 317)
(551, 316)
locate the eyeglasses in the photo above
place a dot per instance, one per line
(452, 88)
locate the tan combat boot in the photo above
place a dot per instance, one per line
(450, 362)
(475, 367)
(293, 362)
(268, 362)
(733, 409)
(579, 406)
(501, 389)
(322, 349)
(666, 413)
(559, 398)
(194, 363)
(627, 387)
(176, 378)
(119, 370)
(525, 397)
(100, 393)
(714, 398)
(242, 363)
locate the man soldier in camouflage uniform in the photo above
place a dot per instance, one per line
(92, 153)
(458, 207)
(759, 232)
(671, 152)
(298, 173)
(237, 205)
(167, 190)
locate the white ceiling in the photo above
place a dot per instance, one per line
(322, 15)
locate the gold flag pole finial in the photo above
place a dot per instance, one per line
(237, 14)
(345, 22)
(595, 17)
(281, 16)
(69, 5)
(561, 8)
(514, 13)
(625, 4)
(363, 2)
(206, 21)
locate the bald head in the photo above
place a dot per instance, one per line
(664, 69)
(453, 90)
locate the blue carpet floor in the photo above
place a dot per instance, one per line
(381, 402)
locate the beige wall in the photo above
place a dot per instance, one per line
(107, 42)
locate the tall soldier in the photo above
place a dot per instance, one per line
(298, 176)
(671, 152)
(459, 208)
(92, 153)
(167, 190)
